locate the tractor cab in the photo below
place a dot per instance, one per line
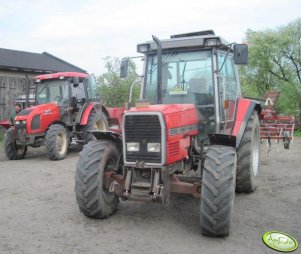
(69, 91)
(195, 68)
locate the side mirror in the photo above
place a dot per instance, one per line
(75, 81)
(241, 54)
(124, 68)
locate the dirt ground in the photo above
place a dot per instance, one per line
(38, 212)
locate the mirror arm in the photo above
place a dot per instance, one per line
(137, 81)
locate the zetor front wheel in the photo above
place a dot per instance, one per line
(218, 190)
(248, 156)
(96, 121)
(93, 198)
(12, 150)
(57, 142)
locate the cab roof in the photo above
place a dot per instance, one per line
(187, 40)
(62, 74)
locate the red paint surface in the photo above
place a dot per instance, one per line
(242, 109)
(59, 74)
(5, 124)
(49, 113)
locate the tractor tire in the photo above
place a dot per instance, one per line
(12, 150)
(248, 157)
(96, 121)
(57, 142)
(93, 199)
(218, 190)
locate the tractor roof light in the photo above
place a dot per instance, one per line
(38, 80)
(143, 48)
(212, 42)
(61, 77)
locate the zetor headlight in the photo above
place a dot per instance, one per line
(24, 121)
(17, 122)
(132, 147)
(153, 147)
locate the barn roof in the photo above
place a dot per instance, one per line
(34, 62)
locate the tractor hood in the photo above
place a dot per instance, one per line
(176, 115)
(168, 127)
(38, 118)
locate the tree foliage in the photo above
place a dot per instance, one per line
(114, 91)
(275, 64)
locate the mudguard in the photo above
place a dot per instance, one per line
(245, 108)
(87, 110)
(109, 135)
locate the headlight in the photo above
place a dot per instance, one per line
(153, 147)
(24, 121)
(132, 147)
(17, 122)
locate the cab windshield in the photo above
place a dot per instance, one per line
(187, 77)
(52, 91)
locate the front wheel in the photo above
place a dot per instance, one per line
(93, 199)
(96, 122)
(12, 150)
(57, 142)
(218, 190)
(248, 156)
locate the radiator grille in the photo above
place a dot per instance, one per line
(143, 129)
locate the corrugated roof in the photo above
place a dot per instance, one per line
(27, 61)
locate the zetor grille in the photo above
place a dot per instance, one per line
(143, 129)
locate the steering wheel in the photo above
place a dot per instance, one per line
(61, 100)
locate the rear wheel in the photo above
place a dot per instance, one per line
(93, 198)
(218, 190)
(12, 150)
(57, 142)
(248, 156)
(97, 122)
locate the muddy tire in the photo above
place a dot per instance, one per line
(57, 142)
(96, 121)
(248, 157)
(12, 150)
(93, 199)
(218, 190)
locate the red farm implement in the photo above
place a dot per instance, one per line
(273, 126)
(279, 128)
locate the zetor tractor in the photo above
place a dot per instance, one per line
(66, 108)
(191, 132)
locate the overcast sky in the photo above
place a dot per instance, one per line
(84, 32)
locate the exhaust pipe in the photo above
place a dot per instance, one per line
(159, 69)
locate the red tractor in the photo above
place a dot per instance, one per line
(67, 107)
(191, 132)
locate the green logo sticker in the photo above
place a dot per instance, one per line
(280, 241)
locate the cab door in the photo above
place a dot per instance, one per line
(229, 90)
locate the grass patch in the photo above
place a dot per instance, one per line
(297, 133)
(1, 137)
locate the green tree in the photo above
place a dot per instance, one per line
(114, 91)
(275, 64)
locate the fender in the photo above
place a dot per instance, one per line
(245, 107)
(109, 135)
(87, 110)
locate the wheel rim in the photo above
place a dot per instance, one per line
(255, 153)
(61, 143)
(100, 125)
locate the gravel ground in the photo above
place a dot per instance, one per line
(38, 212)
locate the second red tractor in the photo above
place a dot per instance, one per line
(67, 107)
